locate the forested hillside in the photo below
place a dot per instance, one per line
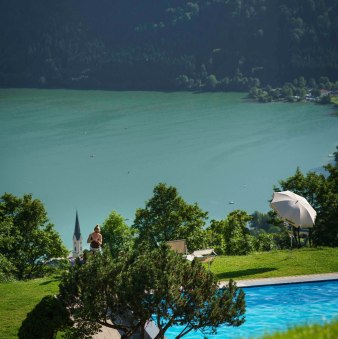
(166, 44)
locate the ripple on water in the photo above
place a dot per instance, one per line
(277, 308)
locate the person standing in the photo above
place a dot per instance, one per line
(95, 239)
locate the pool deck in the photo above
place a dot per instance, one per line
(285, 280)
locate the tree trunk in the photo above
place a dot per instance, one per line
(160, 334)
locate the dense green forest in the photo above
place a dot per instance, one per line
(166, 44)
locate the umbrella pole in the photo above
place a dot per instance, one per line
(295, 234)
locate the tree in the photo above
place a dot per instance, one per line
(215, 232)
(315, 92)
(6, 269)
(183, 81)
(254, 92)
(259, 221)
(236, 234)
(26, 236)
(83, 50)
(268, 231)
(148, 284)
(167, 216)
(301, 82)
(231, 234)
(116, 234)
(322, 193)
(264, 242)
(211, 82)
(325, 99)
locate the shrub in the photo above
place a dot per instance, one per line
(264, 242)
(6, 270)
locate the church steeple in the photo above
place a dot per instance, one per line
(77, 238)
(77, 231)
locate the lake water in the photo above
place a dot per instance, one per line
(98, 151)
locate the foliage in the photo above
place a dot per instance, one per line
(283, 240)
(269, 232)
(264, 242)
(260, 222)
(27, 239)
(321, 191)
(240, 233)
(148, 284)
(116, 234)
(231, 236)
(45, 320)
(167, 44)
(298, 90)
(325, 99)
(167, 216)
(6, 269)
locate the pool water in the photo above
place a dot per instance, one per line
(277, 308)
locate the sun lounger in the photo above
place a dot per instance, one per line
(179, 246)
(206, 256)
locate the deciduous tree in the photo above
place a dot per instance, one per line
(116, 234)
(167, 216)
(322, 193)
(26, 236)
(232, 234)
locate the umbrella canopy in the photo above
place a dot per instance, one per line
(293, 208)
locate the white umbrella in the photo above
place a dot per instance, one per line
(294, 209)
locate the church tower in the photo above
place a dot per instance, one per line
(77, 239)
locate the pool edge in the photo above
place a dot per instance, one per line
(284, 280)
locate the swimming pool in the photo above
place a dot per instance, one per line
(277, 308)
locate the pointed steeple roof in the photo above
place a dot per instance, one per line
(77, 231)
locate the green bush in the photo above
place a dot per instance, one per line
(325, 100)
(264, 242)
(282, 240)
(6, 270)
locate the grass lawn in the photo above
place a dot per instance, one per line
(19, 298)
(276, 264)
(327, 331)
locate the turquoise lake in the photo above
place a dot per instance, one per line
(98, 151)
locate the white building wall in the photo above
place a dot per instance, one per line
(77, 247)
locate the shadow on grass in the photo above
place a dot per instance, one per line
(243, 273)
(53, 279)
